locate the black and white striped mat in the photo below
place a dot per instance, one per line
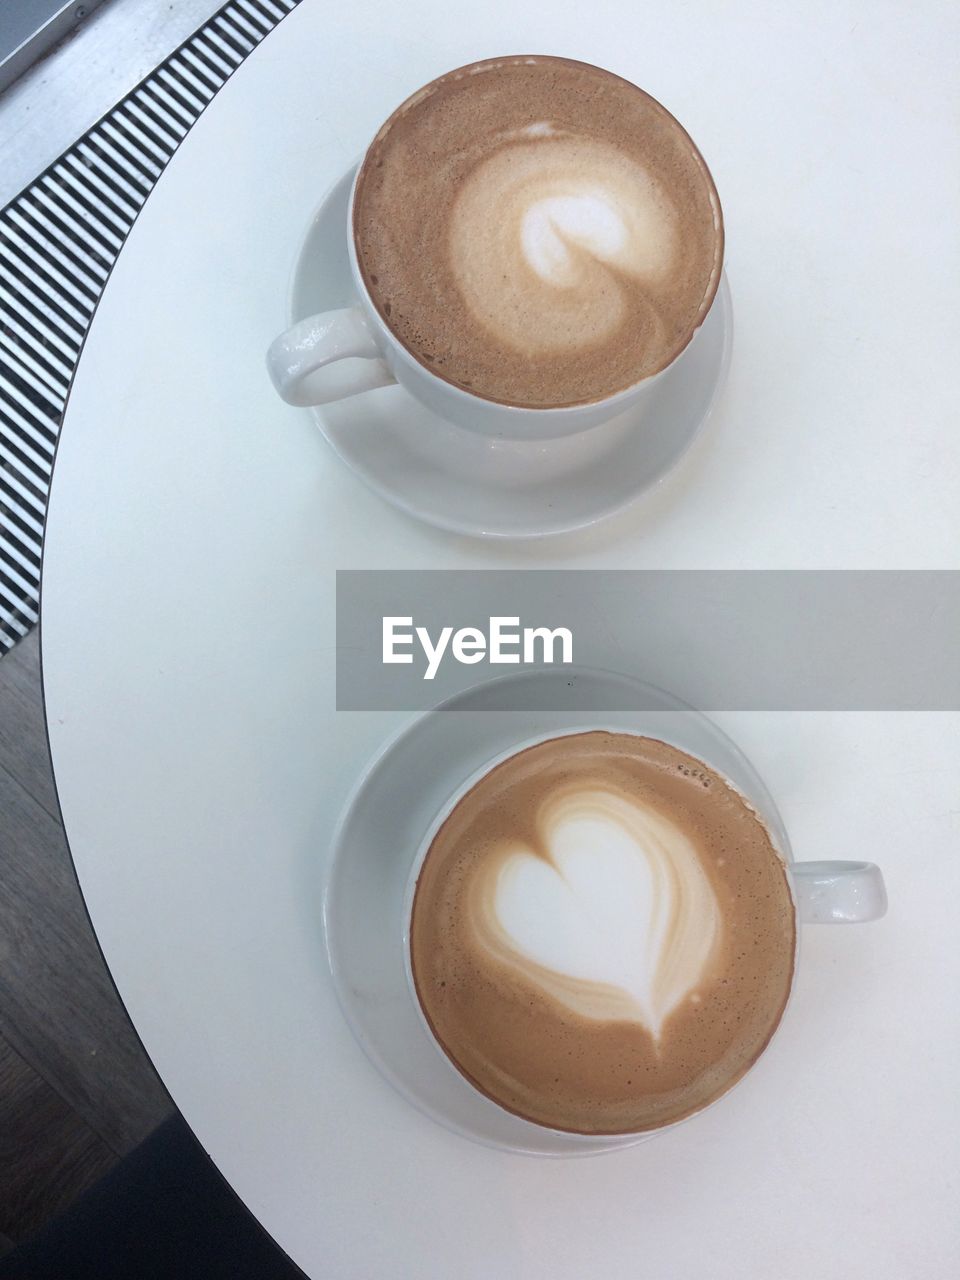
(58, 242)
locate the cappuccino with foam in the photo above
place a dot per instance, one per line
(538, 231)
(602, 936)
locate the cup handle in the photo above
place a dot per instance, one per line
(299, 360)
(838, 892)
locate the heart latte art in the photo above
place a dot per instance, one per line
(538, 231)
(602, 936)
(618, 921)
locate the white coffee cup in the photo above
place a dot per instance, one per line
(341, 353)
(369, 894)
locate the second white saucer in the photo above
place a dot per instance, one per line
(466, 483)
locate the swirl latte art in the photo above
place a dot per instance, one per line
(538, 231)
(553, 239)
(602, 937)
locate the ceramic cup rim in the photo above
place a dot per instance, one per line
(515, 412)
(620, 1137)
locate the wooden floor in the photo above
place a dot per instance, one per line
(76, 1090)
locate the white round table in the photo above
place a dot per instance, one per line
(188, 647)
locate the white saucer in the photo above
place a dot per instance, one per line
(398, 800)
(469, 484)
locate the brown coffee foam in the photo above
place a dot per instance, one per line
(528, 1051)
(424, 159)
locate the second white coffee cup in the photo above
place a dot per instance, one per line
(341, 353)
(369, 893)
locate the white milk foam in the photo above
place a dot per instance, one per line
(620, 923)
(547, 234)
